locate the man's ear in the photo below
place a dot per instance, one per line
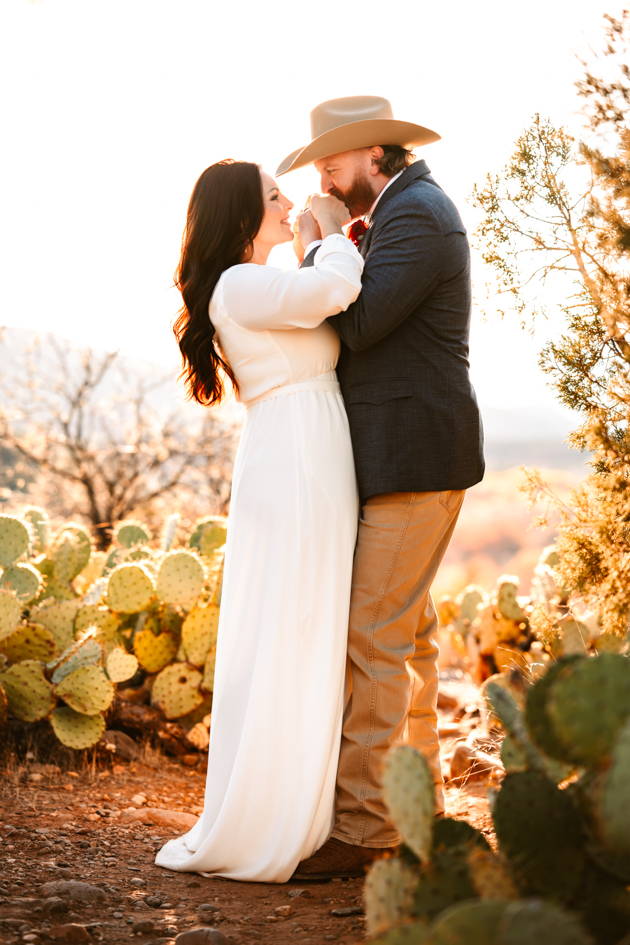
(376, 153)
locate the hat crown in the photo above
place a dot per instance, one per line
(343, 111)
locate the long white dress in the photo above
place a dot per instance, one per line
(278, 697)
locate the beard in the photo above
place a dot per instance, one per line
(358, 197)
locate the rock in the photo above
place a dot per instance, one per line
(283, 910)
(347, 910)
(204, 936)
(191, 761)
(160, 818)
(55, 905)
(207, 907)
(66, 873)
(138, 799)
(154, 901)
(140, 904)
(70, 933)
(467, 764)
(143, 925)
(304, 893)
(124, 747)
(136, 881)
(72, 889)
(193, 885)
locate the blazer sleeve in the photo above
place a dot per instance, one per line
(261, 297)
(408, 256)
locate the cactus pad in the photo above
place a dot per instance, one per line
(469, 599)
(611, 810)
(121, 665)
(410, 797)
(208, 535)
(180, 578)
(169, 532)
(507, 604)
(588, 704)
(23, 579)
(129, 534)
(490, 875)
(72, 550)
(15, 539)
(81, 653)
(536, 717)
(31, 642)
(10, 613)
(129, 589)
(539, 833)
(199, 633)
(209, 669)
(532, 921)
(388, 893)
(30, 696)
(468, 923)
(154, 652)
(58, 617)
(176, 690)
(4, 710)
(91, 615)
(40, 527)
(86, 690)
(76, 730)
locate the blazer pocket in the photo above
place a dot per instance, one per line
(379, 392)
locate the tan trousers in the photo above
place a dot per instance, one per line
(392, 654)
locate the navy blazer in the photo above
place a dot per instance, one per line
(403, 368)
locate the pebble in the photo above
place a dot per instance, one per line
(283, 910)
(73, 934)
(207, 907)
(347, 910)
(144, 926)
(72, 889)
(118, 915)
(136, 881)
(202, 936)
(304, 893)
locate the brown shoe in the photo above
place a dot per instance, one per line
(337, 858)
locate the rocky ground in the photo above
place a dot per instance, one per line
(77, 850)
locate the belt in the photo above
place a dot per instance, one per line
(322, 383)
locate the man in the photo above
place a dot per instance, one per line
(418, 445)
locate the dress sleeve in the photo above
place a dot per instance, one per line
(262, 297)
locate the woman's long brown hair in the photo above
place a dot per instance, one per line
(224, 215)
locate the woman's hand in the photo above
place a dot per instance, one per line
(330, 213)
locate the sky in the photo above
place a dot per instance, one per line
(109, 111)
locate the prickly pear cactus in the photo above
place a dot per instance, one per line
(199, 633)
(30, 696)
(83, 652)
(87, 690)
(129, 534)
(23, 579)
(410, 797)
(469, 600)
(507, 603)
(58, 617)
(93, 615)
(169, 531)
(10, 613)
(490, 875)
(15, 539)
(611, 811)
(39, 524)
(532, 922)
(30, 642)
(388, 894)
(176, 690)
(71, 553)
(537, 719)
(208, 535)
(76, 730)
(180, 578)
(468, 923)
(121, 665)
(129, 589)
(209, 670)
(154, 652)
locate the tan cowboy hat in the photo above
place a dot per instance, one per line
(356, 121)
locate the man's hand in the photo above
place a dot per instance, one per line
(306, 229)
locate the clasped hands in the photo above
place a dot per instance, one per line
(323, 215)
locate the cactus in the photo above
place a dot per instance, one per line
(76, 730)
(91, 615)
(129, 534)
(30, 696)
(58, 617)
(39, 524)
(388, 893)
(86, 690)
(610, 808)
(469, 600)
(490, 875)
(4, 712)
(446, 879)
(199, 633)
(169, 532)
(208, 535)
(15, 539)
(121, 665)
(10, 613)
(72, 550)
(30, 642)
(176, 690)
(180, 578)
(410, 797)
(536, 716)
(84, 652)
(23, 579)
(468, 923)
(573, 637)
(532, 922)
(129, 589)
(512, 720)
(209, 670)
(507, 603)
(154, 652)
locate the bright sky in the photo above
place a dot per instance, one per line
(110, 110)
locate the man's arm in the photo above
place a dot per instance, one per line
(408, 256)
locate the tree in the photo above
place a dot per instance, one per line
(557, 220)
(88, 421)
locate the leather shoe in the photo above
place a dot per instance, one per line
(338, 859)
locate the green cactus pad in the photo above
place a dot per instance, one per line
(30, 696)
(51, 588)
(450, 834)
(537, 719)
(10, 613)
(468, 923)
(588, 705)
(31, 642)
(410, 797)
(388, 894)
(15, 539)
(121, 665)
(507, 604)
(611, 810)
(23, 579)
(169, 531)
(490, 875)
(39, 524)
(76, 730)
(573, 637)
(209, 669)
(176, 690)
(58, 617)
(469, 599)
(208, 535)
(415, 933)
(154, 652)
(511, 718)
(539, 833)
(129, 589)
(86, 690)
(199, 633)
(72, 550)
(4, 711)
(92, 615)
(80, 653)
(446, 879)
(512, 758)
(532, 922)
(180, 578)
(130, 534)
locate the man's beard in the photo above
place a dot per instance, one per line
(358, 197)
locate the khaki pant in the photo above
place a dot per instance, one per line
(392, 654)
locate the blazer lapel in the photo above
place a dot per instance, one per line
(413, 172)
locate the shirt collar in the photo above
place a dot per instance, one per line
(388, 184)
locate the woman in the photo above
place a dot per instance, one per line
(278, 697)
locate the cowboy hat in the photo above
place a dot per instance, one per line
(356, 121)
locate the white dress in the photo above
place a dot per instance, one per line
(278, 697)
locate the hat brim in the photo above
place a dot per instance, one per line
(359, 134)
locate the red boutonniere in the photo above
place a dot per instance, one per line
(356, 231)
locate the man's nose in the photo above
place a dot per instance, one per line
(326, 185)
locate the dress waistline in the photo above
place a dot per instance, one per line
(324, 382)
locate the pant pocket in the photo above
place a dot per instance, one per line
(452, 499)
